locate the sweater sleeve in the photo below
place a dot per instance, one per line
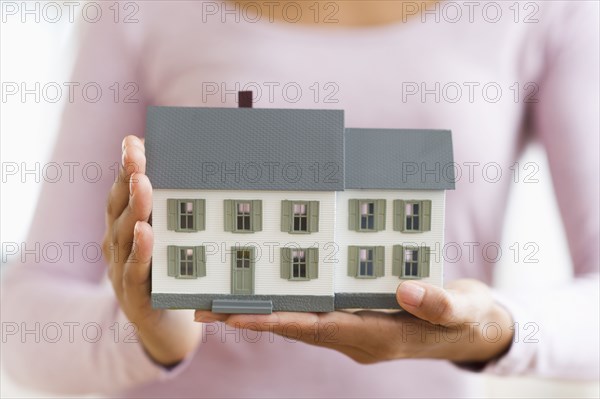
(65, 330)
(558, 330)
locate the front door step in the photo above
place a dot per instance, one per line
(247, 306)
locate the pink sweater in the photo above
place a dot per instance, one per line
(496, 85)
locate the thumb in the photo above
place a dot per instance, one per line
(428, 302)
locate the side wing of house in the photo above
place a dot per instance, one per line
(385, 237)
(390, 217)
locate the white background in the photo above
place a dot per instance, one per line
(41, 52)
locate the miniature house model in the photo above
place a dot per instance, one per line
(261, 210)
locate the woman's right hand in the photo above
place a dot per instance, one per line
(168, 336)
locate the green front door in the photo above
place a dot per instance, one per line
(242, 271)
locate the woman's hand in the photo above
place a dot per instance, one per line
(461, 323)
(167, 336)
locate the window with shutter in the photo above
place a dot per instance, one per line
(185, 215)
(366, 262)
(242, 216)
(366, 215)
(299, 216)
(299, 264)
(186, 262)
(410, 262)
(412, 216)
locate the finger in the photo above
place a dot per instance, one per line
(267, 323)
(133, 161)
(138, 209)
(296, 326)
(325, 329)
(352, 334)
(133, 158)
(136, 273)
(434, 304)
(206, 316)
(132, 140)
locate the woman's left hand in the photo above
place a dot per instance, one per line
(461, 323)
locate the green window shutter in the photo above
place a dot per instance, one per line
(252, 257)
(353, 215)
(313, 214)
(171, 260)
(426, 215)
(233, 252)
(200, 219)
(379, 257)
(398, 260)
(424, 261)
(229, 214)
(200, 259)
(172, 214)
(286, 263)
(399, 206)
(352, 261)
(313, 263)
(286, 216)
(379, 214)
(256, 210)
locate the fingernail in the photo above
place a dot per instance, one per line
(411, 294)
(136, 229)
(131, 185)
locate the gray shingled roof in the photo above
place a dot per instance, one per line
(245, 149)
(399, 159)
(278, 149)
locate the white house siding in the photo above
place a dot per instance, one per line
(267, 243)
(388, 238)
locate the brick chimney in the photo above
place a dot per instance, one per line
(245, 99)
